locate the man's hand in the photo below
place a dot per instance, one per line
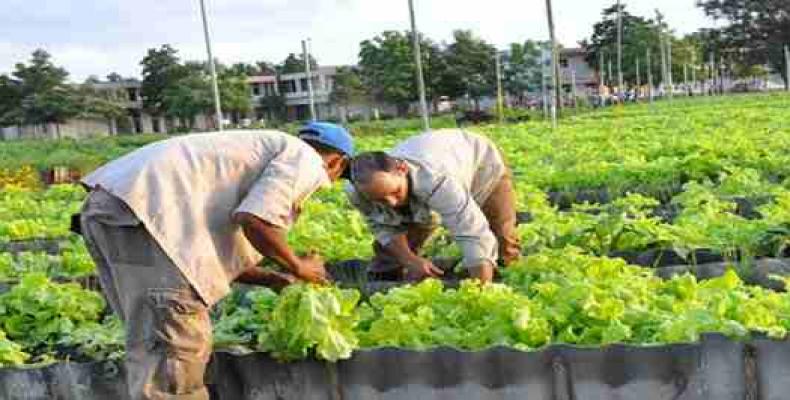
(311, 269)
(420, 268)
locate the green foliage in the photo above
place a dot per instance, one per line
(472, 317)
(29, 214)
(98, 340)
(470, 62)
(161, 70)
(591, 301)
(754, 32)
(640, 35)
(38, 313)
(307, 319)
(387, 66)
(11, 353)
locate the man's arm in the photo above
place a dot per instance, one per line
(270, 241)
(418, 267)
(266, 277)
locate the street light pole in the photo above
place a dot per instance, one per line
(500, 101)
(212, 68)
(309, 74)
(426, 122)
(555, 65)
(649, 76)
(787, 67)
(619, 47)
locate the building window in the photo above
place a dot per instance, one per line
(256, 90)
(268, 89)
(564, 62)
(132, 92)
(303, 84)
(288, 86)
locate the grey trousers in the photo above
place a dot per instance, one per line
(168, 331)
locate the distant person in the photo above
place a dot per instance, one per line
(452, 176)
(172, 224)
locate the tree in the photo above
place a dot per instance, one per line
(347, 89)
(161, 71)
(294, 63)
(10, 101)
(274, 105)
(43, 94)
(266, 68)
(243, 69)
(470, 67)
(387, 69)
(189, 97)
(522, 69)
(114, 77)
(234, 93)
(639, 35)
(757, 32)
(93, 103)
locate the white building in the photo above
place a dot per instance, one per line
(295, 91)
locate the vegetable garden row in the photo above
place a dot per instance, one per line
(624, 212)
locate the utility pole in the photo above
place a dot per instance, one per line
(415, 40)
(694, 70)
(544, 90)
(500, 101)
(212, 68)
(309, 74)
(662, 46)
(638, 80)
(601, 74)
(712, 67)
(670, 78)
(555, 64)
(787, 67)
(620, 86)
(649, 76)
(573, 88)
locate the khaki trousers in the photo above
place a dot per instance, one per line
(168, 331)
(500, 211)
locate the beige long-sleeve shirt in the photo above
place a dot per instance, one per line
(452, 173)
(186, 191)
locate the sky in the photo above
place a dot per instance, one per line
(96, 37)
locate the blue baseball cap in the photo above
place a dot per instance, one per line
(329, 134)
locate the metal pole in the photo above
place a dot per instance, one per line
(544, 89)
(686, 77)
(309, 74)
(694, 71)
(500, 101)
(610, 73)
(649, 76)
(720, 72)
(573, 87)
(212, 68)
(601, 74)
(787, 67)
(620, 85)
(426, 122)
(638, 80)
(670, 78)
(711, 67)
(555, 67)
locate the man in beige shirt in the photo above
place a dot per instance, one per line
(172, 224)
(448, 175)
